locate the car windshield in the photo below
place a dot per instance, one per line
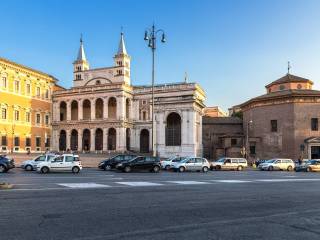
(220, 160)
(270, 161)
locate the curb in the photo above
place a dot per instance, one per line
(4, 186)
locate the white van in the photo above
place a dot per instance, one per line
(229, 164)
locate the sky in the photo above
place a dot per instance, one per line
(231, 48)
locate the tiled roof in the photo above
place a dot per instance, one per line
(289, 78)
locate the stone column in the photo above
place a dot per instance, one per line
(105, 140)
(68, 110)
(93, 109)
(105, 107)
(80, 109)
(68, 139)
(92, 140)
(80, 140)
(120, 108)
(121, 139)
(184, 128)
(55, 140)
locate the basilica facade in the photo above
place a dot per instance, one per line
(104, 112)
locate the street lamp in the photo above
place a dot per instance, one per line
(150, 36)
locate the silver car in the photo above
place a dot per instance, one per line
(191, 164)
(30, 165)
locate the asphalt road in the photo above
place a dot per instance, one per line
(111, 205)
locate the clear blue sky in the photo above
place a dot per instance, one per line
(231, 48)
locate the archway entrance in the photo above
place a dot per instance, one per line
(144, 141)
(62, 141)
(128, 135)
(86, 140)
(74, 140)
(74, 110)
(112, 139)
(99, 139)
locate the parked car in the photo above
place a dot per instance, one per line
(191, 164)
(309, 166)
(65, 162)
(229, 164)
(277, 164)
(165, 164)
(140, 163)
(30, 165)
(112, 162)
(6, 164)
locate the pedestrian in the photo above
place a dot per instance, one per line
(300, 160)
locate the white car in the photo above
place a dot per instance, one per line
(277, 164)
(65, 162)
(30, 165)
(191, 164)
(229, 164)
(167, 163)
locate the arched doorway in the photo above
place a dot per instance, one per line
(99, 139)
(144, 141)
(99, 108)
(86, 140)
(127, 108)
(86, 109)
(112, 139)
(62, 141)
(74, 140)
(128, 135)
(74, 110)
(112, 108)
(173, 130)
(63, 111)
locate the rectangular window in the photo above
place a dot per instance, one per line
(28, 117)
(144, 115)
(28, 142)
(274, 126)
(38, 118)
(16, 115)
(16, 141)
(38, 92)
(47, 93)
(4, 82)
(47, 143)
(28, 89)
(4, 113)
(47, 120)
(4, 140)
(38, 141)
(314, 124)
(252, 149)
(16, 86)
(233, 141)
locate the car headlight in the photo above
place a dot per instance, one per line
(119, 164)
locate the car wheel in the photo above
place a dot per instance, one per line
(44, 170)
(127, 169)
(270, 168)
(239, 168)
(309, 169)
(211, 168)
(167, 167)
(3, 169)
(29, 168)
(289, 168)
(75, 169)
(205, 169)
(107, 167)
(182, 169)
(156, 169)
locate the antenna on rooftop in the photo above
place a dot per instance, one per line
(289, 67)
(185, 77)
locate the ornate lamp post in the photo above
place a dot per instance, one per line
(150, 35)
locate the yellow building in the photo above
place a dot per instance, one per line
(25, 108)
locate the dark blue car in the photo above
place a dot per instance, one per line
(6, 164)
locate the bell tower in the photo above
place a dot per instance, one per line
(122, 63)
(80, 64)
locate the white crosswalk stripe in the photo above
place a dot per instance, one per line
(188, 182)
(140, 184)
(231, 181)
(83, 185)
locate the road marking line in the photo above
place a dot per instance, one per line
(231, 181)
(83, 185)
(188, 182)
(140, 184)
(288, 180)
